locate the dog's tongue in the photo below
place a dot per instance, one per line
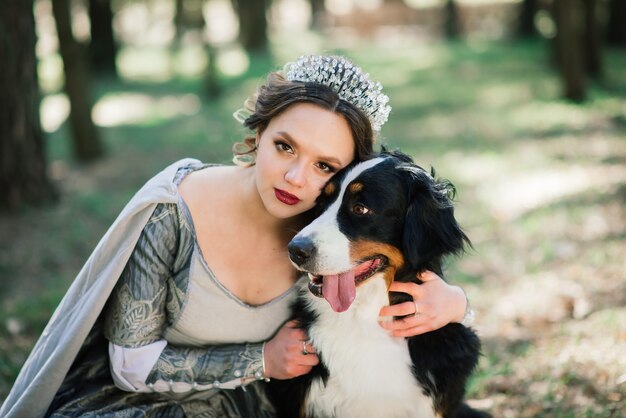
(339, 290)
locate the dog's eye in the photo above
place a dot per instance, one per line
(359, 209)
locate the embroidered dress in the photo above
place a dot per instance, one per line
(171, 335)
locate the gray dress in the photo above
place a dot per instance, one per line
(211, 363)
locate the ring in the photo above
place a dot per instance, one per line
(417, 313)
(304, 350)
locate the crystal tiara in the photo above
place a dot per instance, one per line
(347, 80)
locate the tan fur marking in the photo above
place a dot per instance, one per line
(329, 189)
(355, 187)
(360, 250)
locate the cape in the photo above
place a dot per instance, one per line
(53, 354)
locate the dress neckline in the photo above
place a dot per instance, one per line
(185, 171)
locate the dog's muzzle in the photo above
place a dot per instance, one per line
(301, 250)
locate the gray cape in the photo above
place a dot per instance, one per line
(53, 354)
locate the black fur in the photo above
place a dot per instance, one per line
(415, 214)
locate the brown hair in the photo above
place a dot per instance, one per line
(278, 94)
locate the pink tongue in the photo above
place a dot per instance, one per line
(339, 290)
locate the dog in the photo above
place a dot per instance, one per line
(382, 220)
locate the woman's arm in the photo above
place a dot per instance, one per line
(137, 315)
(436, 302)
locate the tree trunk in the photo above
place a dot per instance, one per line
(23, 178)
(451, 20)
(103, 48)
(86, 141)
(212, 86)
(569, 48)
(526, 28)
(593, 39)
(318, 8)
(179, 21)
(252, 24)
(616, 28)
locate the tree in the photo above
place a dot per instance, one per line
(577, 44)
(188, 15)
(451, 20)
(592, 39)
(318, 8)
(526, 28)
(616, 27)
(23, 178)
(252, 24)
(85, 136)
(569, 49)
(102, 49)
(179, 21)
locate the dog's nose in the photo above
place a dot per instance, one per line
(300, 250)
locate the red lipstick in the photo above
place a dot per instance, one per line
(286, 198)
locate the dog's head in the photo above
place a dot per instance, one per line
(378, 217)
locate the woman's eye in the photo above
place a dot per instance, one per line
(359, 209)
(281, 146)
(325, 167)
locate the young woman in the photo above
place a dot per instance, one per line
(181, 310)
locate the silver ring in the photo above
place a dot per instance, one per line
(304, 350)
(417, 313)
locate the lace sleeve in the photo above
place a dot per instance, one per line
(136, 316)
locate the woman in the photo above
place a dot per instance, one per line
(181, 309)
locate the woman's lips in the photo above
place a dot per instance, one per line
(286, 198)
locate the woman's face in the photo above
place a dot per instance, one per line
(297, 154)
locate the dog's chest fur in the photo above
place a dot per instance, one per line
(370, 372)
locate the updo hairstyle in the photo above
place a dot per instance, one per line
(278, 94)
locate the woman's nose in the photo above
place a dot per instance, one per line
(296, 175)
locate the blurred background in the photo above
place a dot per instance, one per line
(520, 103)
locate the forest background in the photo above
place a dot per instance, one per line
(521, 104)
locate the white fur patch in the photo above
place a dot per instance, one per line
(333, 247)
(370, 371)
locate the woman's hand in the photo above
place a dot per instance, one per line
(437, 304)
(285, 356)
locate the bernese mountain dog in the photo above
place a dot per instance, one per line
(381, 220)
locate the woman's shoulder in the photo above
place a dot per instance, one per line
(195, 181)
(187, 166)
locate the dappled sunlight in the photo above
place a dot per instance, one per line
(552, 116)
(476, 167)
(505, 94)
(421, 4)
(190, 61)
(221, 21)
(145, 64)
(54, 110)
(145, 30)
(423, 57)
(50, 72)
(146, 23)
(233, 62)
(162, 64)
(121, 109)
(135, 108)
(47, 41)
(511, 196)
(291, 15)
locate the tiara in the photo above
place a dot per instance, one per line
(347, 80)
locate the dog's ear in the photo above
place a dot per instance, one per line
(397, 154)
(430, 231)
